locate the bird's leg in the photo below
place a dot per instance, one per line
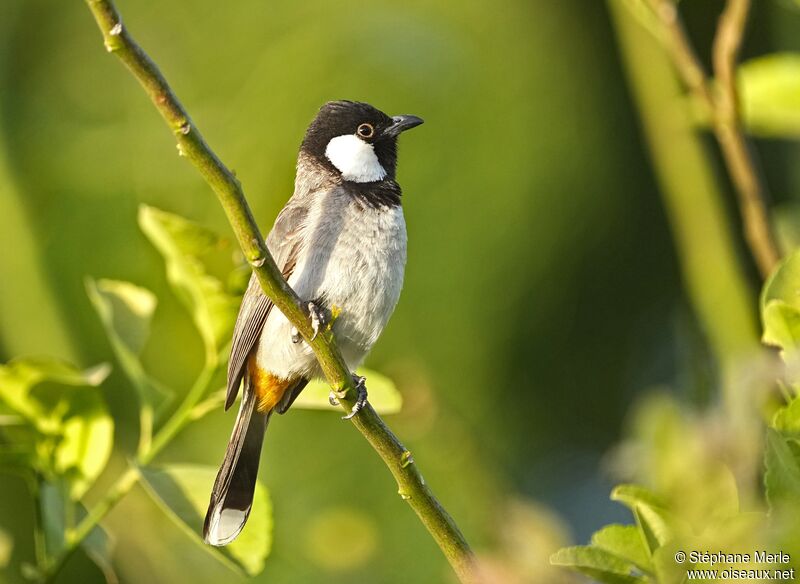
(361, 396)
(318, 320)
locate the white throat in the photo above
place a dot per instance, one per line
(355, 159)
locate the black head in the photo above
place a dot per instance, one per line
(356, 141)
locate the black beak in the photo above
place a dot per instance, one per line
(401, 124)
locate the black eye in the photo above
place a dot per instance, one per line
(366, 130)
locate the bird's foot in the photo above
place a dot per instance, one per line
(318, 320)
(361, 396)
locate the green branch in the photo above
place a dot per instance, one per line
(721, 103)
(411, 485)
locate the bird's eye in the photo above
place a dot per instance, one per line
(366, 130)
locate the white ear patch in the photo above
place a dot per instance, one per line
(355, 159)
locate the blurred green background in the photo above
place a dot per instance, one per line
(543, 293)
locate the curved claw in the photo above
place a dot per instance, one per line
(317, 318)
(361, 399)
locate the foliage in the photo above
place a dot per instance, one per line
(56, 430)
(726, 479)
(694, 502)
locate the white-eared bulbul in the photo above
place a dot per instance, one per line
(340, 241)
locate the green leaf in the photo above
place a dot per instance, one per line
(787, 418)
(383, 394)
(781, 326)
(53, 509)
(20, 376)
(126, 311)
(183, 492)
(769, 88)
(782, 476)
(85, 446)
(73, 433)
(633, 495)
(182, 243)
(98, 546)
(650, 513)
(598, 564)
(784, 283)
(626, 542)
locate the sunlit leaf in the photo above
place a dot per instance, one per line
(73, 433)
(126, 311)
(20, 376)
(86, 444)
(383, 394)
(626, 542)
(650, 514)
(183, 491)
(787, 418)
(769, 89)
(781, 326)
(598, 564)
(782, 476)
(632, 495)
(780, 308)
(182, 243)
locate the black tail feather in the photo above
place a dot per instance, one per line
(232, 495)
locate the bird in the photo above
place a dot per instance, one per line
(340, 241)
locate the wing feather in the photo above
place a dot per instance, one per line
(285, 244)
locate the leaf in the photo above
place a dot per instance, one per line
(784, 283)
(73, 433)
(52, 505)
(598, 564)
(633, 495)
(98, 546)
(781, 326)
(626, 542)
(782, 476)
(650, 514)
(20, 376)
(183, 491)
(787, 418)
(780, 311)
(769, 88)
(126, 311)
(182, 243)
(129, 311)
(383, 394)
(85, 446)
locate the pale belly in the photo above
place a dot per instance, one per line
(355, 267)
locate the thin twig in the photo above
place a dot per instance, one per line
(723, 112)
(411, 485)
(732, 141)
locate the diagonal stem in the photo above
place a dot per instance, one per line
(411, 485)
(721, 103)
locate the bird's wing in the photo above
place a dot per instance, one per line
(285, 244)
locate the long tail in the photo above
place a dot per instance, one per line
(232, 495)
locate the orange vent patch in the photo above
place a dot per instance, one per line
(269, 388)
